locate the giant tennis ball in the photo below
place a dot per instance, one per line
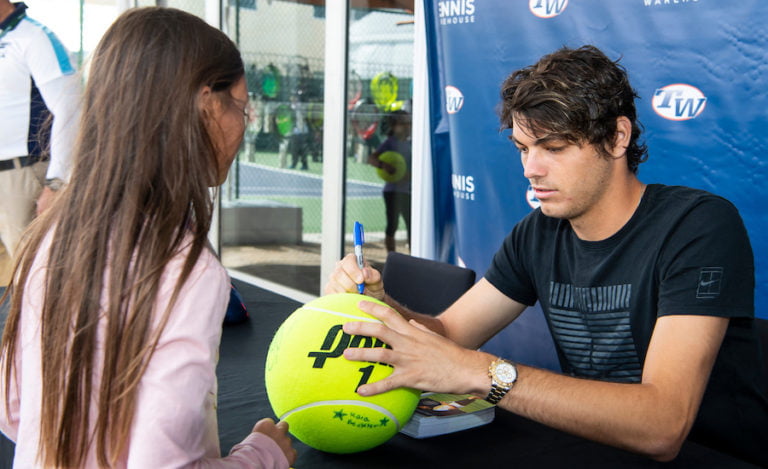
(395, 159)
(313, 387)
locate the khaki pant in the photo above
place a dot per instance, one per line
(19, 190)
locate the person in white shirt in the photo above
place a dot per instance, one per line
(39, 104)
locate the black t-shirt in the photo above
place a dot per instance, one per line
(684, 251)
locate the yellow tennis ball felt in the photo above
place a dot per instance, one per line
(313, 387)
(395, 159)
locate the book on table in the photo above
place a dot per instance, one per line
(441, 413)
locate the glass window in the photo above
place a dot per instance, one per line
(271, 201)
(379, 94)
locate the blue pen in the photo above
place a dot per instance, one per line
(359, 240)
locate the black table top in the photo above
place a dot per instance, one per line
(508, 441)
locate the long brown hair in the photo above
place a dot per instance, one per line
(140, 187)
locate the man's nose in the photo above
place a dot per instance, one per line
(533, 166)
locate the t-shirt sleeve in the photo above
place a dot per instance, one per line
(54, 75)
(62, 97)
(508, 271)
(707, 266)
(47, 58)
(386, 145)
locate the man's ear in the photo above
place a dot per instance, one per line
(622, 137)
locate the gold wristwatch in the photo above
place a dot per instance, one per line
(503, 375)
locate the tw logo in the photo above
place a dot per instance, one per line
(454, 99)
(679, 102)
(547, 8)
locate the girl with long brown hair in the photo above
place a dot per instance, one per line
(110, 347)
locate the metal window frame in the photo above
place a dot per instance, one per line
(334, 132)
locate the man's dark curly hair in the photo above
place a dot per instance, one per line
(577, 95)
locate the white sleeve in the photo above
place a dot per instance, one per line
(61, 89)
(175, 422)
(62, 96)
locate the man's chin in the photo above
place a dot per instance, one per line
(552, 212)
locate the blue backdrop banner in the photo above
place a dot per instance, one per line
(699, 66)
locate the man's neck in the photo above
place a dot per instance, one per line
(614, 211)
(6, 8)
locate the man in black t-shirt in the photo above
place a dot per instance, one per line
(647, 289)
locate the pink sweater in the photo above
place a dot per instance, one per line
(175, 422)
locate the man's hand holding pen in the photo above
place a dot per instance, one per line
(347, 276)
(359, 235)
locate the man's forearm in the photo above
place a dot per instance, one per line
(636, 417)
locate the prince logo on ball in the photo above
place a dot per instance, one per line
(327, 350)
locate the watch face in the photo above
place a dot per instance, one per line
(506, 373)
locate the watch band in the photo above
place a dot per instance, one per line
(496, 393)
